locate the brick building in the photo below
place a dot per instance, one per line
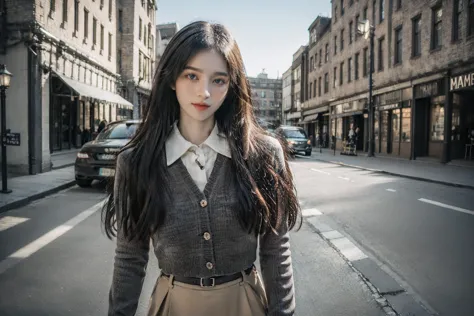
(267, 98)
(62, 54)
(423, 75)
(136, 40)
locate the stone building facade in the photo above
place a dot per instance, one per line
(136, 38)
(286, 94)
(62, 54)
(422, 51)
(164, 33)
(298, 79)
(267, 98)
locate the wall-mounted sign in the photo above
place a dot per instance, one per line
(12, 139)
(462, 81)
(389, 107)
(430, 89)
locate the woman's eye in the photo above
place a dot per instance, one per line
(191, 76)
(220, 81)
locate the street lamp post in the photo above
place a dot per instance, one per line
(364, 28)
(5, 77)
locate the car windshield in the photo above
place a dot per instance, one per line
(294, 133)
(118, 131)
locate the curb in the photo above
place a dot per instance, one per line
(63, 166)
(451, 184)
(34, 197)
(389, 295)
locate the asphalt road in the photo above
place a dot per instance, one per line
(55, 260)
(422, 232)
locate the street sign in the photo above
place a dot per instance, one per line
(12, 139)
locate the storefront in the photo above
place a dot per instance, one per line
(76, 109)
(462, 122)
(429, 121)
(293, 118)
(345, 116)
(316, 125)
(392, 123)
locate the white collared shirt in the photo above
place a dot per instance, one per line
(177, 147)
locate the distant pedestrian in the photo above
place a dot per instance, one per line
(206, 185)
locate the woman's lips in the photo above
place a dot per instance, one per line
(200, 106)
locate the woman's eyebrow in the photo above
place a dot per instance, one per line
(219, 73)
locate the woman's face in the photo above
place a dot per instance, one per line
(202, 87)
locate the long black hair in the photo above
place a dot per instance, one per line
(266, 192)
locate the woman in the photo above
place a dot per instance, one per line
(206, 185)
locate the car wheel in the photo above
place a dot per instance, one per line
(307, 153)
(84, 183)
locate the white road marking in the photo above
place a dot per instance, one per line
(391, 190)
(47, 238)
(311, 212)
(320, 171)
(455, 208)
(348, 249)
(10, 221)
(343, 178)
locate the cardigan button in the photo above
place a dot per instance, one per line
(203, 203)
(209, 265)
(207, 236)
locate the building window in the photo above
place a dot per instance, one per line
(357, 20)
(398, 4)
(86, 23)
(470, 27)
(398, 45)
(356, 66)
(349, 70)
(351, 24)
(342, 7)
(334, 83)
(314, 87)
(381, 11)
(364, 13)
(335, 45)
(120, 21)
(311, 64)
(119, 59)
(319, 86)
(335, 13)
(326, 82)
(381, 54)
(457, 10)
(374, 10)
(110, 46)
(326, 58)
(76, 16)
(416, 36)
(64, 11)
(52, 5)
(140, 28)
(310, 89)
(341, 73)
(436, 27)
(342, 40)
(315, 59)
(320, 56)
(110, 9)
(437, 122)
(101, 4)
(365, 69)
(102, 38)
(94, 32)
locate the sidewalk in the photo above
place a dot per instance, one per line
(431, 171)
(26, 189)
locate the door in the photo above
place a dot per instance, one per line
(421, 132)
(389, 132)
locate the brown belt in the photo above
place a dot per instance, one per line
(210, 282)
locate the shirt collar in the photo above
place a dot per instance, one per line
(176, 145)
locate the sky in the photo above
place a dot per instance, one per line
(268, 32)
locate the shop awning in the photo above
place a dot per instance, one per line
(310, 118)
(86, 90)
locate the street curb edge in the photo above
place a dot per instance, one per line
(384, 300)
(29, 199)
(451, 184)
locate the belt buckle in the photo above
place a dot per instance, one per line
(212, 285)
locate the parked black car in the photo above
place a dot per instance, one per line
(296, 138)
(96, 159)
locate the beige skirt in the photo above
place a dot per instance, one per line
(242, 297)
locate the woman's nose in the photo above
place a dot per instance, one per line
(204, 91)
